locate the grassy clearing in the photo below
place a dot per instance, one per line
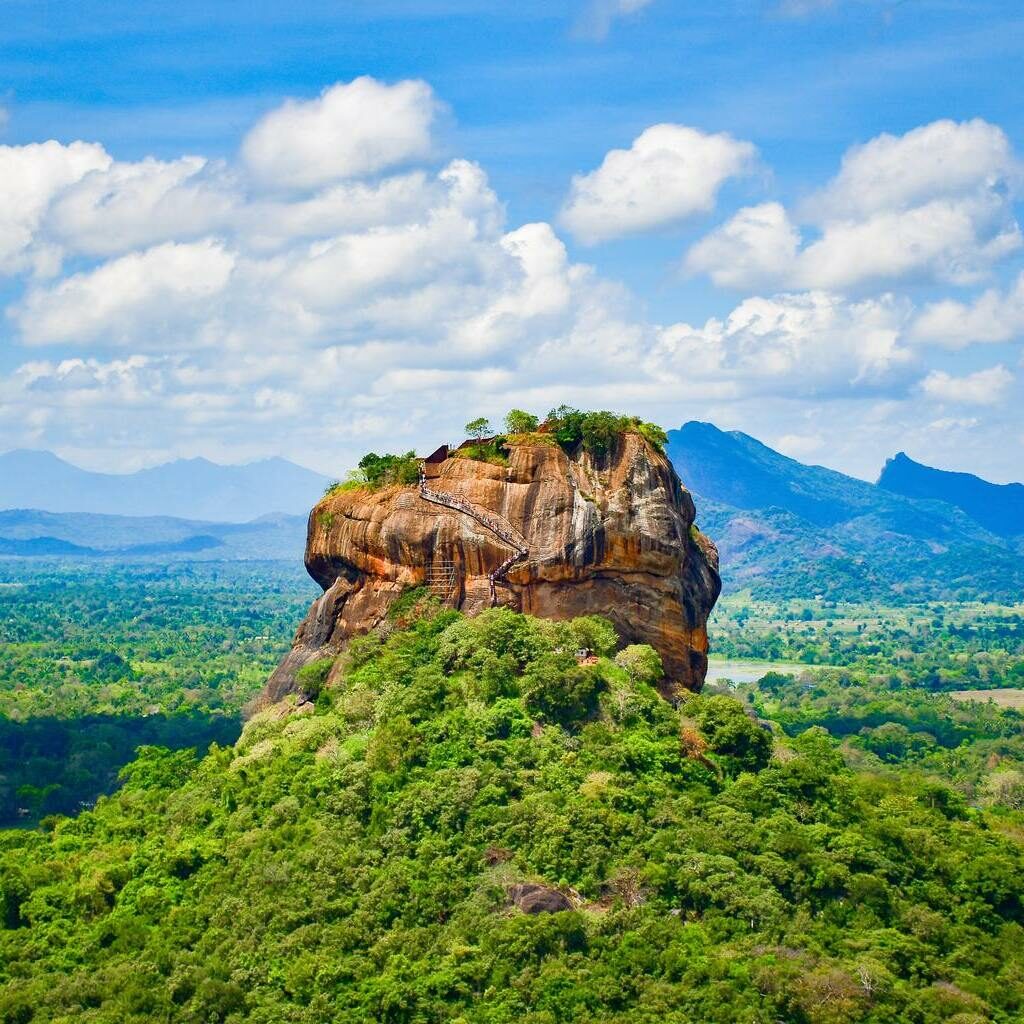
(1009, 698)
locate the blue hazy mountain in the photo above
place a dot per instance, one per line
(788, 529)
(188, 488)
(32, 533)
(998, 507)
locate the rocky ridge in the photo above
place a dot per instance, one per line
(551, 534)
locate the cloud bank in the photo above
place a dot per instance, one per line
(335, 287)
(934, 204)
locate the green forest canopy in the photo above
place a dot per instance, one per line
(356, 863)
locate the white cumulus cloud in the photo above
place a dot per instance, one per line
(752, 248)
(129, 299)
(933, 204)
(30, 177)
(985, 387)
(802, 343)
(127, 205)
(192, 305)
(993, 317)
(352, 130)
(670, 172)
(942, 159)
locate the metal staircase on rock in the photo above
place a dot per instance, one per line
(498, 525)
(441, 578)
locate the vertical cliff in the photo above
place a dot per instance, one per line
(551, 534)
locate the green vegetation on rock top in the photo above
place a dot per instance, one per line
(596, 432)
(376, 471)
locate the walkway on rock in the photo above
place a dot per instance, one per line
(498, 525)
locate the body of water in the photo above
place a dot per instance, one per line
(720, 669)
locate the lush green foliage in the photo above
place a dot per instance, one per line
(642, 664)
(895, 685)
(99, 658)
(967, 745)
(597, 431)
(58, 766)
(493, 450)
(519, 422)
(380, 471)
(479, 428)
(933, 646)
(83, 638)
(533, 439)
(353, 863)
(312, 677)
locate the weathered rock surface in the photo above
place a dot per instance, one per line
(612, 536)
(534, 898)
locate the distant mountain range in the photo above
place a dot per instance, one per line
(784, 529)
(28, 532)
(787, 529)
(187, 488)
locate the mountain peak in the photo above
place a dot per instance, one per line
(38, 455)
(787, 528)
(997, 507)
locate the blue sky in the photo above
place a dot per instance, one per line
(198, 335)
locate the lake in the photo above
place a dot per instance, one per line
(750, 671)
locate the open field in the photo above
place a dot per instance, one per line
(936, 646)
(1009, 698)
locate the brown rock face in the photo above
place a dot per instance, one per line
(551, 535)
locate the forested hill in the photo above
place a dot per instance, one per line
(998, 507)
(470, 826)
(786, 529)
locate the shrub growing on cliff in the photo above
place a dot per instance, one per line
(599, 431)
(492, 451)
(655, 435)
(376, 471)
(311, 678)
(479, 428)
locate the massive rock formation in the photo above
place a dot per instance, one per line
(552, 535)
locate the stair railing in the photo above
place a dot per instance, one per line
(504, 530)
